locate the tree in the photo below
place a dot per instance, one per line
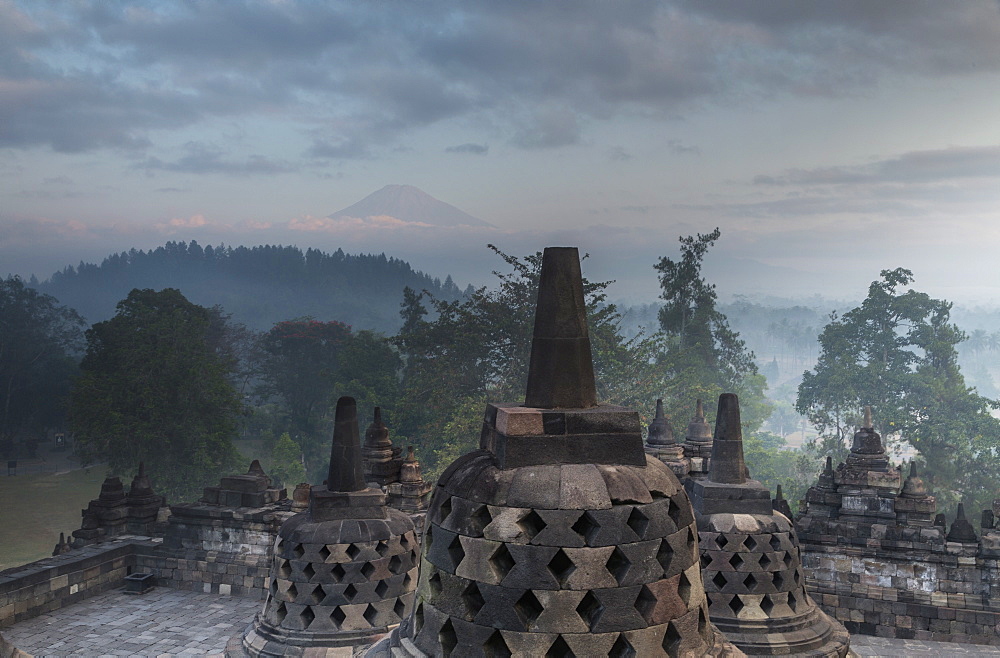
(155, 387)
(897, 353)
(286, 462)
(39, 344)
(703, 356)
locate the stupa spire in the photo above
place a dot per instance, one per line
(728, 465)
(345, 453)
(561, 371)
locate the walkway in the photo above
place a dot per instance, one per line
(169, 622)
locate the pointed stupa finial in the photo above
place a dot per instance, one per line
(828, 470)
(142, 469)
(377, 420)
(659, 409)
(778, 495)
(255, 468)
(561, 371)
(913, 468)
(699, 410)
(961, 529)
(728, 465)
(345, 453)
(410, 456)
(867, 422)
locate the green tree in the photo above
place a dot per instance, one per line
(897, 353)
(155, 387)
(39, 345)
(703, 357)
(286, 462)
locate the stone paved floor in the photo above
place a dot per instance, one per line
(168, 622)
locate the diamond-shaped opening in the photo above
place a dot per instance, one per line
(338, 616)
(337, 572)
(399, 608)
(528, 609)
(787, 559)
(750, 543)
(456, 552)
(480, 519)
(406, 582)
(370, 614)
(298, 551)
(797, 576)
(501, 562)
(444, 510)
(395, 562)
(702, 622)
(308, 571)
(473, 600)
(719, 580)
(735, 604)
(736, 561)
(645, 603)
(750, 582)
(665, 554)
(307, 615)
(559, 649)
(721, 541)
(281, 612)
(350, 592)
(368, 570)
(778, 578)
(562, 567)
(590, 609)
(766, 604)
(674, 512)
(531, 524)
(792, 601)
(382, 548)
(764, 561)
(684, 588)
(692, 541)
(775, 543)
(706, 560)
(284, 570)
(317, 596)
(325, 553)
(447, 638)
(586, 527)
(671, 640)
(418, 618)
(618, 564)
(621, 648)
(353, 551)
(273, 588)
(496, 647)
(638, 522)
(435, 583)
(381, 589)
(292, 592)
(405, 541)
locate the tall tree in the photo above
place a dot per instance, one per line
(39, 344)
(897, 353)
(703, 355)
(155, 387)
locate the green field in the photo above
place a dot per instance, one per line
(34, 509)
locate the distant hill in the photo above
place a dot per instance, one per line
(409, 204)
(259, 286)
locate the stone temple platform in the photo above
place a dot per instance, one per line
(170, 622)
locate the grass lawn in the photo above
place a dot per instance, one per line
(35, 508)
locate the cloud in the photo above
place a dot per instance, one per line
(309, 223)
(677, 148)
(355, 78)
(205, 159)
(619, 154)
(474, 149)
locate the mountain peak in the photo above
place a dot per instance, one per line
(409, 204)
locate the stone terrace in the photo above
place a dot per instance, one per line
(182, 623)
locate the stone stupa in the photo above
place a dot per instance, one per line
(344, 571)
(750, 556)
(559, 536)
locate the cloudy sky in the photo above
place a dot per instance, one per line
(828, 140)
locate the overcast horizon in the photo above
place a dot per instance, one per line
(827, 141)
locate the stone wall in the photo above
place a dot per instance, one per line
(941, 597)
(54, 582)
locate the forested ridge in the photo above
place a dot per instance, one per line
(258, 286)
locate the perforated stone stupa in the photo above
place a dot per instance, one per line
(661, 444)
(559, 536)
(344, 572)
(750, 558)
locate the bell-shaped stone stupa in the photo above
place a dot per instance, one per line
(344, 572)
(559, 536)
(753, 575)
(660, 443)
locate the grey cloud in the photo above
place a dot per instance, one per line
(475, 149)
(548, 129)
(202, 159)
(619, 154)
(676, 147)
